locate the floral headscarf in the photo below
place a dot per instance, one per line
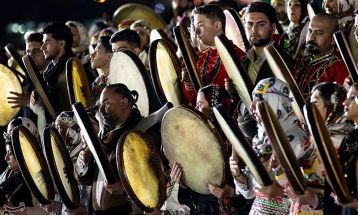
(68, 128)
(276, 93)
(21, 121)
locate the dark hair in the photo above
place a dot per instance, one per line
(262, 7)
(34, 37)
(127, 35)
(333, 96)
(59, 31)
(356, 11)
(212, 12)
(104, 41)
(122, 89)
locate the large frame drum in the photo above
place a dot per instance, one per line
(189, 139)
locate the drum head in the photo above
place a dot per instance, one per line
(241, 146)
(126, 68)
(164, 68)
(234, 69)
(141, 170)
(77, 83)
(39, 84)
(61, 167)
(346, 53)
(327, 152)
(93, 143)
(311, 11)
(32, 164)
(234, 30)
(201, 156)
(20, 67)
(282, 148)
(188, 57)
(138, 11)
(281, 71)
(10, 82)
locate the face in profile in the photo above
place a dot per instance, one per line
(206, 30)
(317, 99)
(10, 159)
(351, 105)
(51, 47)
(202, 104)
(100, 57)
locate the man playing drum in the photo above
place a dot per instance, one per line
(209, 21)
(323, 62)
(119, 113)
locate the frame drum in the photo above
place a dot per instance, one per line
(32, 164)
(235, 31)
(241, 146)
(281, 71)
(188, 139)
(141, 170)
(164, 69)
(10, 82)
(77, 83)
(39, 84)
(127, 68)
(188, 55)
(93, 143)
(61, 167)
(282, 147)
(327, 152)
(234, 68)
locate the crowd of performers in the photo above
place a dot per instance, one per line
(308, 48)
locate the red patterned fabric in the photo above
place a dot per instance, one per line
(212, 74)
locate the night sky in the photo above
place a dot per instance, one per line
(35, 13)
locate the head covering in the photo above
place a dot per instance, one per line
(345, 5)
(82, 31)
(21, 121)
(276, 93)
(333, 95)
(68, 128)
(147, 27)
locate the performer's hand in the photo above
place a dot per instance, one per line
(229, 86)
(176, 174)
(221, 192)
(34, 97)
(83, 157)
(307, 198)
(347, 83)
(185, 76)
(236, 171)
(271, 190)
(81, 210)
(114, 189)
(19, 100)
(156, 211)
(52, 207)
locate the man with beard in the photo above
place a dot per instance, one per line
(323, 62)
(57, 43)
(344, 11)
(119, 113)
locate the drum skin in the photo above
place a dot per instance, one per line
(10, 82)
(32, 164)
(190, 141)
(141, 170)
(61, 167)
(77, 83)
(164, 70)
(234, 30)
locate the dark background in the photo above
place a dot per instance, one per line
(33, 14)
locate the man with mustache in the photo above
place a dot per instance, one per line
(323, 62)
(344, 11)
